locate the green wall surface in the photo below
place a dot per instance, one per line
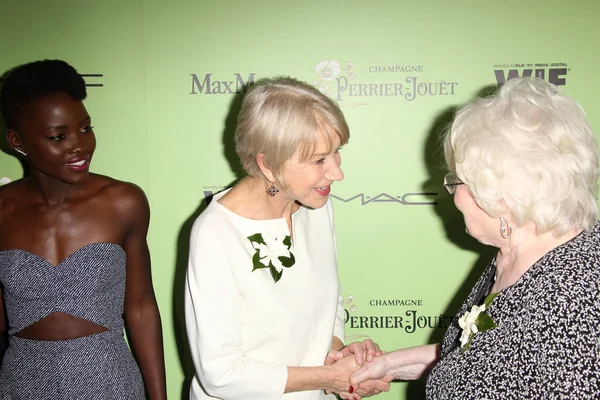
(172, 74)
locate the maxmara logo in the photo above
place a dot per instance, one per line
(208, 84)
(351, 87)
(555, 73)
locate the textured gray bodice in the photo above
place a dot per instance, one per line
(89, 284)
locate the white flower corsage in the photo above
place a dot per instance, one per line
(272, 252)
(475, 321)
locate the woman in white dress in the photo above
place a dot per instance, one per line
(264, 314)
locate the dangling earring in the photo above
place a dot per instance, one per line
(20, 151)
(505, 228)
(272, 191)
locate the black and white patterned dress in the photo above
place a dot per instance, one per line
(89, 284)
(547, 342)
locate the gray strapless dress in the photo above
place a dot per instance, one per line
(89, 284)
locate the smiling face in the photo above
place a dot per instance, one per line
(55, 133)
(309, 181)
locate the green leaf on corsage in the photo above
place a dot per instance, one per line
(474, 321)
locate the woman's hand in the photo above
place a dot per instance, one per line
(369, 371)
(373, 387)
(339, 373)
(342, 369)
(405, 364)
(363, 351)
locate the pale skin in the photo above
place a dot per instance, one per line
(518, 252)
(404, 364)
(307, 183)
(368, 388)
(516, 255)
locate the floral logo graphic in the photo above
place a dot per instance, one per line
(475, 321)
(349, 303)
(327, 72)
(272, 252)
(350, 307)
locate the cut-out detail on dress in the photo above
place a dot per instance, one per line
(88, 284)
(53, 328)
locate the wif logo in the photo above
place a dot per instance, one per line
(554, 73)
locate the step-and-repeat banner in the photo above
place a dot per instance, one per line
(165, 81)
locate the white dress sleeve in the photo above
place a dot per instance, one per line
(213, 320)
(338, 329)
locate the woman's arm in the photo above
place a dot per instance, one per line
(336, 344)
(404, 364)
(142, 318)
(333, 378)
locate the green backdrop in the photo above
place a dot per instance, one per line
(164, 109)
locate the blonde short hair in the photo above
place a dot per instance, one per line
(531, 148)
(282, 116)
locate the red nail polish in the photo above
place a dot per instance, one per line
(351, 389)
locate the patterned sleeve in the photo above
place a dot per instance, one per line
(565, 341)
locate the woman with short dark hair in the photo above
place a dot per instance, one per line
(74, 262)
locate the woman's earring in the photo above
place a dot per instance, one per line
(20, 151)
(505, 228)
(272, 191)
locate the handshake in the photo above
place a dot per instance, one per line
(358, 370)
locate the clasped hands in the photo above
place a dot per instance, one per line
(351, 358)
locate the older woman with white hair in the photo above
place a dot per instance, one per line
(524, 171)
(263, 306)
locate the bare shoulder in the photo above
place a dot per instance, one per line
(121, 189)
(7, 190)
(11, 193)
(127, 198)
